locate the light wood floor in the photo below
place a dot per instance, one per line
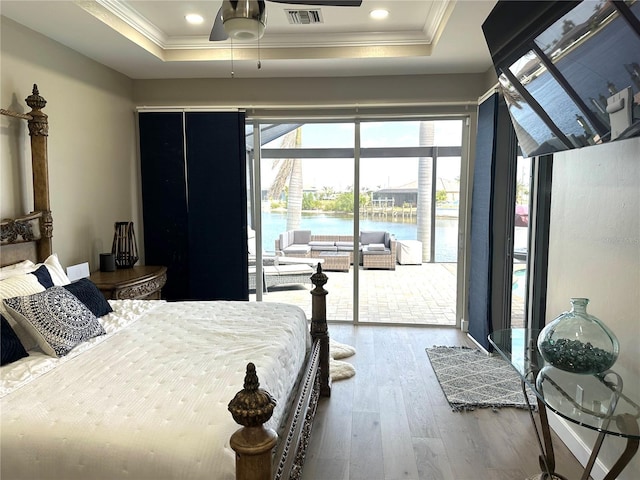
(391, 421)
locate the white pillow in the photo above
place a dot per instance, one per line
(19, 268)
(55, 270)
(18, 286)
(58, 275)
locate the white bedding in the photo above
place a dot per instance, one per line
(149, 399)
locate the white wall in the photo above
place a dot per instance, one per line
(594, 252)
(92, 144)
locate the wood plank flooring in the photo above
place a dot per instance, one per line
(391, 421)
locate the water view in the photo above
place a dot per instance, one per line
(274, 223)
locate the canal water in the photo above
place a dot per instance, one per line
(274, 223)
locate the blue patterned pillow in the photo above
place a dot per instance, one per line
(56, 319)
(87, 292)
(12, 349)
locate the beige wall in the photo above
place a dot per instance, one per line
(594, 252)
(324, 92)
(490, 79)
(92, 146)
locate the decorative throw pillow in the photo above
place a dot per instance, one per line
(18, 286)
(43, 276)
(87, 292)
(56, 319)
(12, 349)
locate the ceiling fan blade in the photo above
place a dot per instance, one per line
(217, 32)
(322, 3)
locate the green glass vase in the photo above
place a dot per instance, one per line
(578, 342)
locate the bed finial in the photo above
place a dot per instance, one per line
(253, 443)
(252, 406)
(35, 101)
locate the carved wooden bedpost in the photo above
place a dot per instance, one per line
(319, 328)
(253, 444)
(39, 131)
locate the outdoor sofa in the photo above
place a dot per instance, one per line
(301, 243)
(378, 248)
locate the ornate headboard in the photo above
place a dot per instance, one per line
(29, 237)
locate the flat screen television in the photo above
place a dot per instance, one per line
(569, 70)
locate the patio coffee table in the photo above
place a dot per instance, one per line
(335, 261)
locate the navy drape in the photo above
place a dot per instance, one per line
(195, 202)
(480, 280)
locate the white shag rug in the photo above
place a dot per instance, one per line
(338, 369)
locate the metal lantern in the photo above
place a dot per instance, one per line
(124, 245)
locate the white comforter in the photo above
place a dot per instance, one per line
(149, 399)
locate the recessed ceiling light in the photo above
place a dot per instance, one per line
(194, 18)
(379, 14)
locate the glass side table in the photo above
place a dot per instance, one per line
(593, 401)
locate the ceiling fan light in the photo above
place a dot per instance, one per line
(244, 20)
(244, 29)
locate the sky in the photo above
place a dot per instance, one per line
(374, 172)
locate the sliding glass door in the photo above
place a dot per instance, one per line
(306, 206)
(323, 190)
(410, 181)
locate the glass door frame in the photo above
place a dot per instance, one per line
(465, 154)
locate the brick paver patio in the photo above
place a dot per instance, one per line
(412, 294)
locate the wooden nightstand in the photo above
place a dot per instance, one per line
(141, 283)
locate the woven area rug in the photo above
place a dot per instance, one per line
(339, 370)
(471, 379)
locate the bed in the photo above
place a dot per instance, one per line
(146, 388)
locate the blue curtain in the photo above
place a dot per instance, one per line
(165, 217)
(480, 279)
(195, 202)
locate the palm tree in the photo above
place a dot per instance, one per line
(289, 169)
(327, 193)
(425, 173)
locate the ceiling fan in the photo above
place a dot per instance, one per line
(245, 19)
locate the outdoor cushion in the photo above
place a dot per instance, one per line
(367, 251)
(344, 244)
(320, 243)
(284, 240)
(293, 249)
(301, 236)
(367, 238)
(324, 248)
(293, 269)
(376, 247)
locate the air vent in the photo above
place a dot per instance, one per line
(304, 17)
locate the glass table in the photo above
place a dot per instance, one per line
(596, 401)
